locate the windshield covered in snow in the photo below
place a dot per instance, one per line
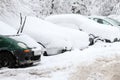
(113, 21)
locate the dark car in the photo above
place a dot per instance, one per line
(15, 51)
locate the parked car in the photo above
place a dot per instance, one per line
(105, 20)
(95, 30)
(56, 39)
(17, 49)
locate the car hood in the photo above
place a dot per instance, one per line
(31, 43)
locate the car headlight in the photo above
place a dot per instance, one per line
(22, 45)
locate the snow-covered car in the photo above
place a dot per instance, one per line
(105, 20)
(56, 39)
(95, 30)
(17, 49)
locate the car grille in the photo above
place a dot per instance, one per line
(35, 57)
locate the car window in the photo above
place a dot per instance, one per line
(113, 21)
(107, 23)
(98, 20)
(101, 21)
(95, 19)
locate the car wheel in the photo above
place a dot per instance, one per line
(116, 40)
(91, 40)
(107, 40)
(7, 59)
(45, 54)
(99, 40)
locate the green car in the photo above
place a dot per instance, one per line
(15, 50)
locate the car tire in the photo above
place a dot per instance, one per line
(99, 40)
(7, 59)
(91, 40)
(45, 54)
(107, 40)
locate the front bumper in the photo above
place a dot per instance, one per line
(33, 59)
(27, 58)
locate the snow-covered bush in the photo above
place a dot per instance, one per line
(42, 8)
(82, 23)
(10, 9)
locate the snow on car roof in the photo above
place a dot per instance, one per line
(87, 25)
(47, 32)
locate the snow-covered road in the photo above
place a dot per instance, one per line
(98, 62)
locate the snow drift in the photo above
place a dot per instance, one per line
(101, 69)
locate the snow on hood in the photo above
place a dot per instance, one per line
(27, 40)
(47, 32)
(81, 22)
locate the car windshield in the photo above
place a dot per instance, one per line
(113, 21)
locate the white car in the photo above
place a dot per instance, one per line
(56, 39)
(97, 31)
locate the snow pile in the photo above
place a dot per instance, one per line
(100, 62)
(102, 69)
(105, 64)
(82, 23)
(55, 36)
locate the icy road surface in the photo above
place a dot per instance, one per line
(98, 62)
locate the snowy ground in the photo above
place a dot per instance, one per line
(98, 62)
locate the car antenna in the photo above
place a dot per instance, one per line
(22, 24)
